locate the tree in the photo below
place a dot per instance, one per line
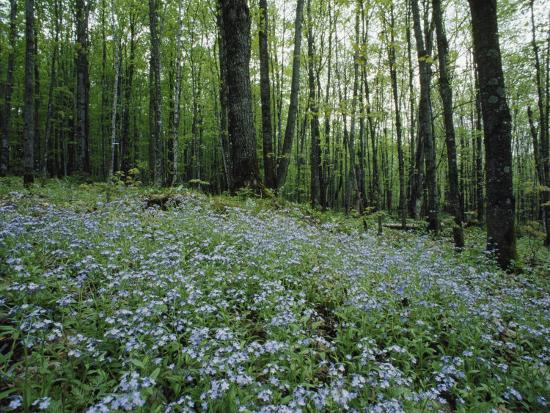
(501, 234)
(82, 124)
(284, 156)
(235, 17)
(155, 115)
(29, 112)
(8, 90)
(446, 93)
(315, 153)
(426, 143)
(265, 85)
(543, 150)
(116, 51)
(398, 125)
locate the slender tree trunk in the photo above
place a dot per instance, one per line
(37, 145)
(127, 138)
(447, 99)
(5, 116)
(236, 34)
(116, 51)
(544, 147)
(176, 99)
(315, 153)
(352, 181)
(480, 176)
(326, 162)
(52, 85)
(425, 136)
(104, 88)
(224, 139)
(501, 232)
(398, 126)
(82, 85)
(284, 158)
(155, 118)
(265, 85)
(29, 113)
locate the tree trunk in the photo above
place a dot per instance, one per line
(265, 85)
(236, 34)
(224, 140)
(8, 90)
(37, 145)
(425, 133)
(176, 100)
(53, 83)
(284, 158)
(155, 119)
(116, 51)
(82, 85)
(544, 153)
(501, 234)
(447, 100)
(28, 142)
(398, 126)
(315, 153)
(126, 138)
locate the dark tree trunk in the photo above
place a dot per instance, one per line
(267, 130)
(28, 139)
(447, 100)
(37, 145)
(175, 102)
(284, 158)
(501, 234)
(53, 83)
(315, 153)
(398, 126)
(155, 118)
(224, 140)
(236, 34)
(479, 174)
(126, 138)
(425, 135)
(8, 90)
(82, 85)
(116, 51)
(544, 153)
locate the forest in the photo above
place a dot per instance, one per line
(275, 206)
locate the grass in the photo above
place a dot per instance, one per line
(227, 304)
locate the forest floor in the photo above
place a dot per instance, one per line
(227, 304)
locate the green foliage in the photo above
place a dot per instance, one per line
(399, 310)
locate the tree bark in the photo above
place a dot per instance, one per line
(126, 137)
(29, 113)
(236, 34)
(425, 132)
(398, 125)
(224, 139)
(544, 147)
(155, 118)
(265, 86)
(446, 93)
(176, 96)
(82, 85)
(315, 153)
(284, 158)
(116, 51)
(501, 234)
(5, 116)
